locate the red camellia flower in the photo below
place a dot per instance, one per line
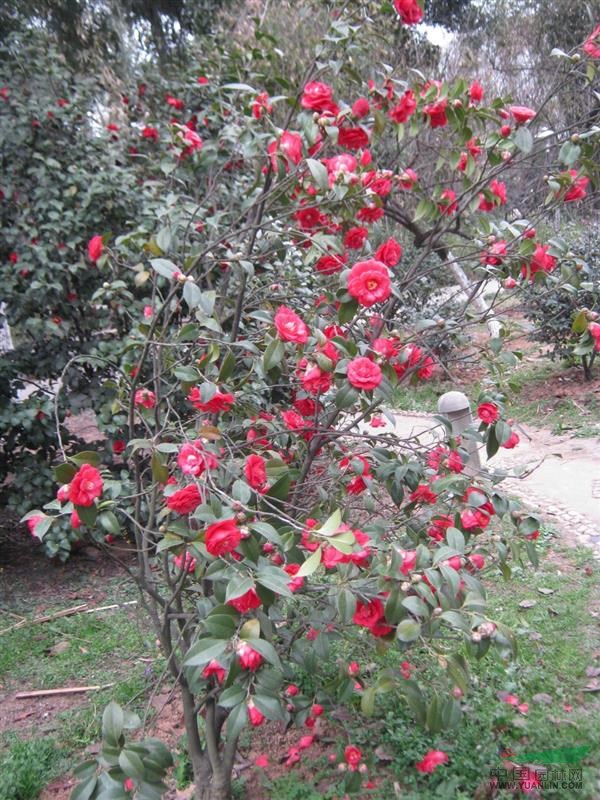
(246, 601)
(148, 132)
(360, 108)
(577, 190)
(541, 261)
(353, 138)
(319, 97)
(261, 105)
(249, 659)
(86, 486)
(119, 446)
(255, 471)
(193, 459)
(447, 204)
(329, 264)
(315, 380)
(214, 668)
(185, 500)
(222, 537)
(220, 401)
(407, 106)
(364, 374)
(436, 112)
(145, 398)
(289, 145)
(409, 11)
(352, 757)
(592, 43)
(13, 258)
(423, 494)
(476, 92)
(488, 413)
(369, 282)
(290, 327)
(389, 253)
(185, 562)
(255, 716)
(370, 615)
(95, 248)
(356, 237)
(498, 190)
(432, 760)
(407, 179)
(521, 114)
(175, 102)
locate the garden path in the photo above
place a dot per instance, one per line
(555, 476)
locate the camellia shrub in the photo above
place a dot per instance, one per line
(271, 507)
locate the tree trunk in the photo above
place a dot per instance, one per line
(478, 300)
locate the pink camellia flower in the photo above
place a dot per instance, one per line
(128, 785)
(354, 138)
(389, 253)
(407, 179)
(475, 92)
(185, 562)
(592, 43)
(262, 761)
(352, 757)
(477, 560)
(404, 110)
(306, 741)
(214, 668)
(86, 486)
(175, 102)
(364, 374)
(246, 602)
(369, 282)
(290, 327)
(75, 520)
(202, 80)
(292, 690)
(145, 398)
(409, 11)
(62, 495)
(319, 97)
(95, 247)
(522, 114)
(255, 716)
(353, 669)
(409, 561)
(249, 659)
(193, 459)
(222, 537)
(495, 255)
(185, 500)
(488, 413)
(315, 380)
(432, 760)
(316, 710)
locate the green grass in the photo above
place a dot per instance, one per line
(27, 766)
(103, 648)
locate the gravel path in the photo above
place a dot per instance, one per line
(557, 477)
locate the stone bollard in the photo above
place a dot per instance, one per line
(456, 406)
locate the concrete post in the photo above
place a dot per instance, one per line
(456, 406)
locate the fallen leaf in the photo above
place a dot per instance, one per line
(592, 686)
(527, 603)
(382, 755)
(592, 672)
(544, 590)
(58, 648)
(553, 612)
(542, 698)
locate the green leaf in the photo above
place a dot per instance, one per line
(250, 630)
(86, 457)
(132, 765)
(523, 139)
(346, 605)
(347, 311)
(455, 539)
(580, 323)
(87, 514)
(273, 355)
(367, 701)
(64, 473)
(280, 488)
(160, 472)
(237, 719)
(310, 565)
(346, 396)
(408, 630)
(204, 651)
(270, 707)
(109, 522)
(238, 586)
(569, 153)
(502, 432)
(331, 524)
(227, 367)
(267, 651)
(164, 267)
(319, 173)
(85, 789)
(232, 696)
(416, 606)
(275, 579)
(112, 723)
(192, 295)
